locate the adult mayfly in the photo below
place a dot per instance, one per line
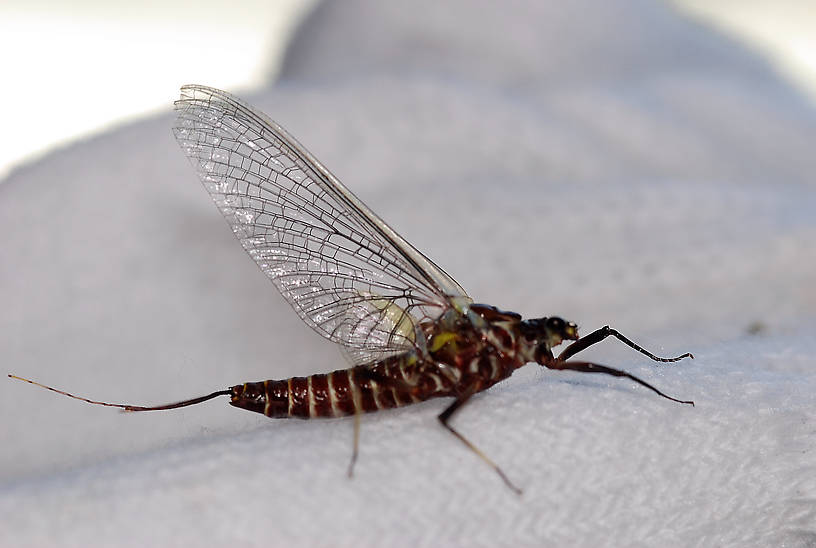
(410, 331)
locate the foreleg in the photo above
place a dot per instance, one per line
(597, 336)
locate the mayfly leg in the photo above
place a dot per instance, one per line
(445, 416)
(588, 367)
(600, 334)
(386, 382)
(355, 451)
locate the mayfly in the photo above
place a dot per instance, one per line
(408, 329)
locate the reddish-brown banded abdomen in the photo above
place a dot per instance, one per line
(344, 392)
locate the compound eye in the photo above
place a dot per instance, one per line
(555, 323)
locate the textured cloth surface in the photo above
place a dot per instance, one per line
(612, 163)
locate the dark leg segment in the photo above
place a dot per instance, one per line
(589, 367)
(448, 413)
(597, 336)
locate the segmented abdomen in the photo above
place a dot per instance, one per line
(361, 389)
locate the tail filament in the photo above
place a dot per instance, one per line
(129, 408)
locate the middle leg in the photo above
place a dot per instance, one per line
(445, 416)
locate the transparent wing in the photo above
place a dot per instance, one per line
(346, 273)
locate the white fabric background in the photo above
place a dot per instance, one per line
(611, 163)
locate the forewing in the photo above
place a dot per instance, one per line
(346, 273)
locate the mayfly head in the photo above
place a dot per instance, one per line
(546, 333)
(559, 330)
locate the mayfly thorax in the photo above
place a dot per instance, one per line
(409, 330)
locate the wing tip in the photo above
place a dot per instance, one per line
(199, 95)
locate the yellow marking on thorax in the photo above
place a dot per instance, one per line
(441, 339)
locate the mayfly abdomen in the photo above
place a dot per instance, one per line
(361, 389)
